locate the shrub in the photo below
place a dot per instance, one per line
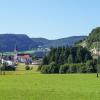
(5, 67)
(82, 68)
(95, 65)
(51, 68)
(39, 68)
(10, 68)
(72, 68)
(89, 65)
(63, 68)
(45, 69)
(27, 67)
(98, 67)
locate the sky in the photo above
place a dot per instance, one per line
(50, 19)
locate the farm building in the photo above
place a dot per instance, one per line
(23, 58)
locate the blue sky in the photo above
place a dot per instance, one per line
(49, 18)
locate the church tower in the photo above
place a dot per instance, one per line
(15, 54)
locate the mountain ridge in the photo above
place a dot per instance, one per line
(59, 42)
(8, 42)
(24, 42)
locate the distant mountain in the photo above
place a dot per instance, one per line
(59, 42)
(23, 42)
(42, 41)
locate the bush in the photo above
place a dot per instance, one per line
(10, 68)
(72, 68)
(39, 68)
(82, 68)
(45, 69)
(27, 67)
(52, 68)
(63, 68)
(95, 65)
(5, 67)
(89, 65)
(98, 67)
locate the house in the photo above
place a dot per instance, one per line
(37, 62)
(24, 58)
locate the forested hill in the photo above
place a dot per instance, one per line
(93, 37)
(91, 41)
(59, 42)
(23, 42)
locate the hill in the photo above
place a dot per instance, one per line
(59, 42)
(93, 37)
(41, 40)
(22, 41)
(91, 41)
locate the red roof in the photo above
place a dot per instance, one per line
(24, 56)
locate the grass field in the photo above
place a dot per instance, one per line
(31, 85)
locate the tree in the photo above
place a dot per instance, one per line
(66, 54)
(53, 68)
(99, 60)
(89, 65)
(70, 59)
(73, 56)
(74, 53)
(61, 59)
(94, 36)
(45, 60)
(79, 55)
(63, 68)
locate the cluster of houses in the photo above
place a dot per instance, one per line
(26, 57)
(13, 60)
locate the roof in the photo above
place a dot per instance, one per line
(24, 56)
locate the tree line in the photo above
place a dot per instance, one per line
(68, 60)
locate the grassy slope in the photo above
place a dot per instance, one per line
(34, 86)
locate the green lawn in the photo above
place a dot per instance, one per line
(31, 85)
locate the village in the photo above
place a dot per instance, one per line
(13, 60)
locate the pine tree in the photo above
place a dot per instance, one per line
(45, 60)
(70, 59)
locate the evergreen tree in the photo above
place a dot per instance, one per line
(66, 54)
(70, 59)
(45, 60)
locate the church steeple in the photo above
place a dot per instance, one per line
(15, 54)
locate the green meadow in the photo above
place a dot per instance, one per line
(31, 85)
